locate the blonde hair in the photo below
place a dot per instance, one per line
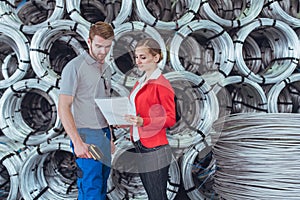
(152, 45)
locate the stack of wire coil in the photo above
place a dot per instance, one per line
(221, 57)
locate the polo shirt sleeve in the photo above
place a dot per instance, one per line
(69, 81)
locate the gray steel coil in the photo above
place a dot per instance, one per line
(13, 43)
(283, 97)
(286, 11)
(12, 121)
(257, 156)
(43, 41)
(187, 8)
(42, 174)
(237, 94)
(218, 48)
(283, 41)
(84, 12)
(231, 14)
(121, 56)
(12, 156)
(124, 181)
(43, 12)
(197, 107)
(197, 169)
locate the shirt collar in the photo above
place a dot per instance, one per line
(156, 73)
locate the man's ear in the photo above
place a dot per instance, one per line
(89, 42)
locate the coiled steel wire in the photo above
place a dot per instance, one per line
(197, 169)
(184, 12)
(124, 181)
(12, 157)
(284, 96)
(41, 123)
(286, 11)
(257, 156)
(49, 172)
(122, 57)
(43, 41)
(84, 12)
(41, 13)
(284, 43)
(241, 95)
(213, 38)
(13, 43)
(197, 107)
(231, 14)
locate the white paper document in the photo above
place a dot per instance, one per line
(114, 109)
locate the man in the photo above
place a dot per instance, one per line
(85, 78)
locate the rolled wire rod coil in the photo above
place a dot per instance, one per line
(283, 41)
(237, 94)
(13, 111)
(49, 13)
(43, 41)
(197, 108)
(41, 176)
(189, 10)
(11, 160)
(126, 37)
(197, 169)
(213, 38)
(286, 11)
(13, 42)
(124, 181)
(114, 12)
(257, 156)
(284, 96)
(237, 13)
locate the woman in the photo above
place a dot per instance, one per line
(152, 98)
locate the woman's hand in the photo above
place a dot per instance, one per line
(134, 120)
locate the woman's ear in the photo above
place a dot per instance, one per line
(157, 58)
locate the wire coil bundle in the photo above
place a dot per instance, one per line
(241, 95)
(197, 107)
(283, 97)
(42, 122)
(231, 14)
(198, 168)
(221, 59)
(88, 12)
(183, 13)
(14, 57)
(282, 39)
(42, 174)
(125, 182)
(257, 156)
(38, 12)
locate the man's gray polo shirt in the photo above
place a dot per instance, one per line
(85, 79)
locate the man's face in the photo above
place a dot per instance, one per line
(99, 48)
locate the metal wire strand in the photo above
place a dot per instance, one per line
(257, 156)
(284, 43)
(231, 14)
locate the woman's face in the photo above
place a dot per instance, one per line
(145, 60)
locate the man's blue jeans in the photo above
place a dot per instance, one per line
(92, 175)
